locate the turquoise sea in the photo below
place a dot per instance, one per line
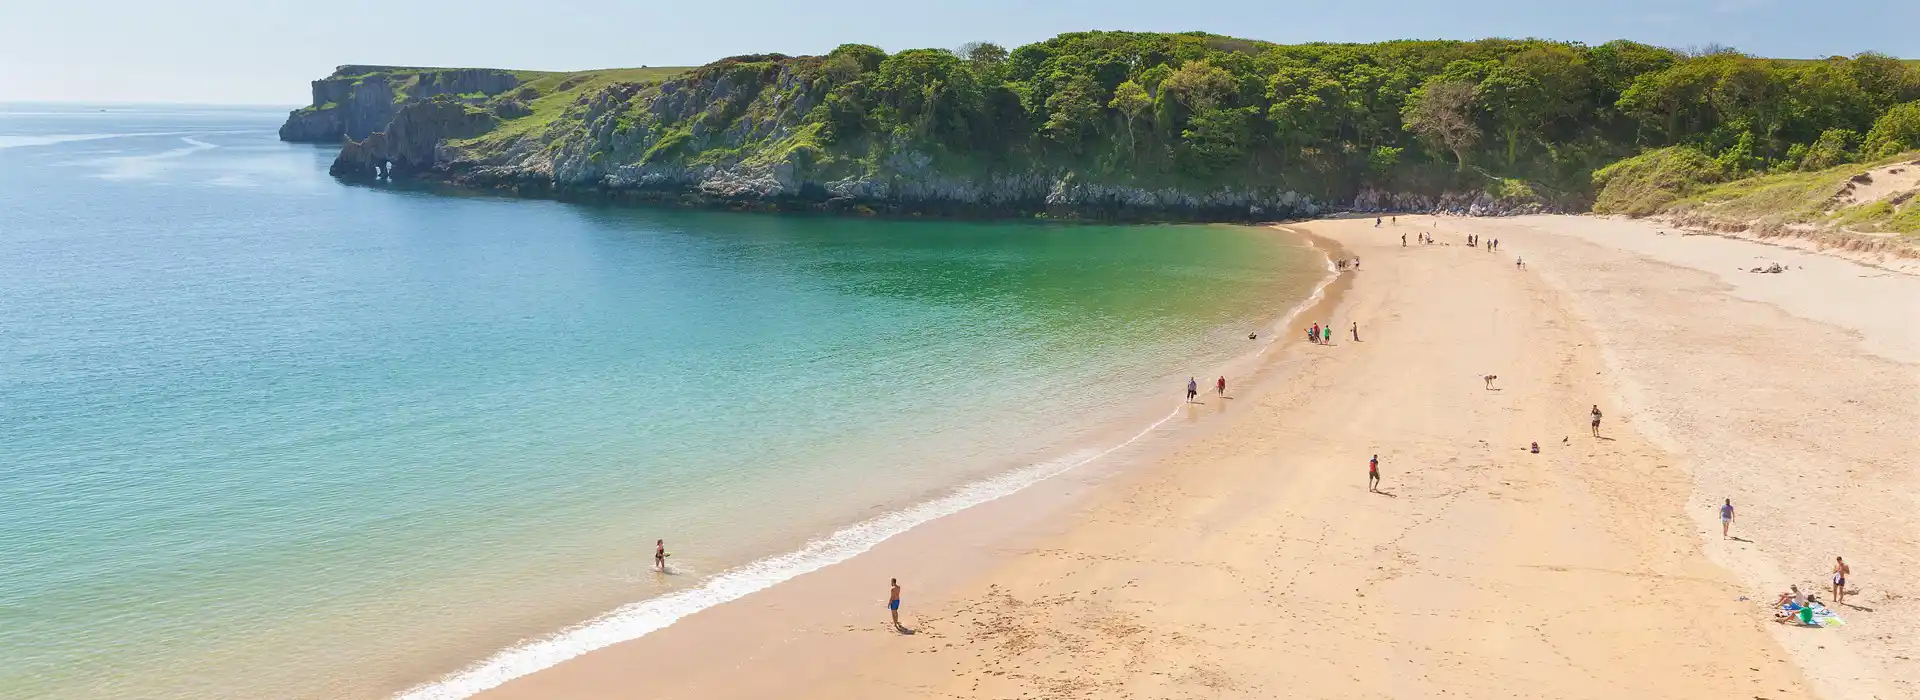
(263, 434)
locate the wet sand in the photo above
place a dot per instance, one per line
(1245, 557)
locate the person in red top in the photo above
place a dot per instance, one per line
(1220, 387)
(1373, 474)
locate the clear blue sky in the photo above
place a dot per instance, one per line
(265, 51)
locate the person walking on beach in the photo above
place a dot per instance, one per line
(1326, 333)
(1356, 331)
(1376, 222)
(1726, 518)
(893, 603)
(660, 556)
(1313, 334)
(1373, 474)
(1840, 572)
(1596, 420)
(1193, 389)
(1220, 387)
(1403, 240)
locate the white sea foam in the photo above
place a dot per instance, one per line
(11, 141)
(1280, 330)
(639, 619)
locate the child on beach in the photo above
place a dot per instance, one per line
(1220, 387)
(1373, 474)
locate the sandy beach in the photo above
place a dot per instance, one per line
(1247, 557)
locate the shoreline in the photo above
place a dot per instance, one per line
(1193, 563)
(636, 621)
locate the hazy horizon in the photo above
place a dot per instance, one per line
(231, 52)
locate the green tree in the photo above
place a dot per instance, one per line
(1835, 146)
(1132, 102)
(1072, 113)
(1200, 86)
(1895, 132)
(1442, 111)
(985, 57)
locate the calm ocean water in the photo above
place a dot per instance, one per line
(266, 435)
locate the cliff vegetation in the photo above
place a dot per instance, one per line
(1124, 124)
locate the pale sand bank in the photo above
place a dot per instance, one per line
(1248, 560)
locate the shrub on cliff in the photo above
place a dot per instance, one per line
(1640, 185)
(1895, 132)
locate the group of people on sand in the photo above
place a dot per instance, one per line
(1802, 607)
(1352, 263)
(1323, 335)
(1423, 237)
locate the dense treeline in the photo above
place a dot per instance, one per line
(1200, 108)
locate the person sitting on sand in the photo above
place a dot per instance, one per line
(1793, 596)
(1535, 448)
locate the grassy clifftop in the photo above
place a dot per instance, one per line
(1154, 117)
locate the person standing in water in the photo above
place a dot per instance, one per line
(1220, 387)
(1193, 389)
(660, 556)
(1726, 518)
(893, 602)
(1373, 474)
(1596, 420)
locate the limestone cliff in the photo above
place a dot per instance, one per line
(357, 101)
(749, 132)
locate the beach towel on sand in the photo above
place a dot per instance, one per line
(1821, 615)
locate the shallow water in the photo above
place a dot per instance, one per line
(266, 435)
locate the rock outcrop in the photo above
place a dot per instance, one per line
(742, 133)
(407, 146)
(357, 101)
